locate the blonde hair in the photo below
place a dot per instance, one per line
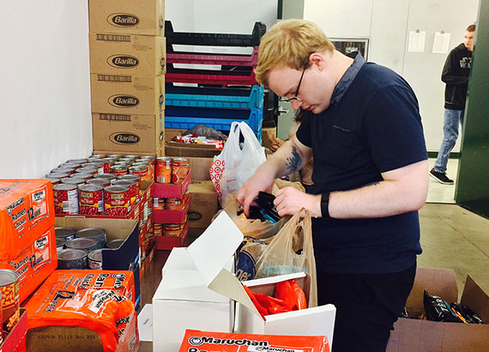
(290, 43)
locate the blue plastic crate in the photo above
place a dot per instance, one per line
(224, 98)
(219, 119)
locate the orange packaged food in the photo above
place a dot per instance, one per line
(98, 300)
(26, 211)
(34, 263)
(196, 341)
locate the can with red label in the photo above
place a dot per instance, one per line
(65, 199)
(174, 230)
(119, 170)
(133, 189)
(91, 199)
(157, 229)
(99, 181)
(179, 169)
(140, 170)
(9, 288)
(117, 200)
(163, 170)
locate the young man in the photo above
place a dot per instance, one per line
(456, 76)
(362, 128)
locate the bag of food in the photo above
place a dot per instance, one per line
(291, 251)
(237, 161)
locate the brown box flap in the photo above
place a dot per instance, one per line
(476, 299)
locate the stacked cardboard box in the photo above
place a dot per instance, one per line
(127, 66)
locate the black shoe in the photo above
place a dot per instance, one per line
(440, 177)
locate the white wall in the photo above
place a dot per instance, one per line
(387, 23)
(45, 98)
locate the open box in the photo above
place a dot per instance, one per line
(197, 292)
(423, 335)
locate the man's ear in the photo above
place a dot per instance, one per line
(317, 59)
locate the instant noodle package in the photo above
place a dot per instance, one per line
(197, 341)
(86, 310)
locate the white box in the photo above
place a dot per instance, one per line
(201, 296)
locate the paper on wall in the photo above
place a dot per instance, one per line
(441, 43)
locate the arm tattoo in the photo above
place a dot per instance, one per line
(293, 162)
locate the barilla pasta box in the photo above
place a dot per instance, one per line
(26, 212)
(200, 341)
(34, 263)
(83, 310)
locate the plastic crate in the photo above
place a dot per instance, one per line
(214, 39)
(219, 119)
(213, 97)
(214, 59)
(240, 75)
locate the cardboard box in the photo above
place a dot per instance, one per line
(126, 257)
(203, 203)
(26, 212)
(128, 133)
(127, 94)
(128, 16)
(35, 263)
(126, 54)
(15, 340)
(199, 167)
(268, 136)
(191, 150)
(204, 288)
(422, 335)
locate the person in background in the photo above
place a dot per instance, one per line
(370, 176)
(456, 77)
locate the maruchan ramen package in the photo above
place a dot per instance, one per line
(34, 263)
(98, 301)
(203, 341)
(26, 211)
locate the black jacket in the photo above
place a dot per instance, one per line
(456, 76)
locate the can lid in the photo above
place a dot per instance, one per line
(60, 241)
(123, 183)
(180, 159)
(8, 277)
(71, 254)
(164, 158)
(63, 231)
(64, 187)
(106, 176)
(73, 181)
(90, 187)
(129, 177)
(90, 232)
(116, 243)
(116, 189)
(82, 243)
(96, 255)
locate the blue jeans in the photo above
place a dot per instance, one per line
(452, 119)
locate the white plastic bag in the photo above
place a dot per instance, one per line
(236, 163)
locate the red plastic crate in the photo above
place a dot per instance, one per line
(170, 190)
(166, 243)
(171, 216)
(213, 59)
(224, 77)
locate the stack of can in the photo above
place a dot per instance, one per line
(87, 186)
(171, 170)
(9, 301)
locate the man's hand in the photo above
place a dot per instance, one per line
(262, 180)
(290, 200)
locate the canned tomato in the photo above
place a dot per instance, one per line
(174, 203)
(87, 170)
(72, 259)
(57, 175)
(95, 259)
(99, 181)
(54, 181)
(91, 199)
(65, 199)
(163, 170)
(117, 200)
(86, 244)
(139, 170)
(73, 181)
(101, 166)
(157, 229)
(63, 170)
(179, 169)
(79, 161)
(72, 165)
(107, 176)
(151, 167)
(131, 177)
(68, 233)
(116, 156)
(9, 288)
(93, 232)
(174, 230)
(116, 243)
(82, 176)
(119, 169)
(133, 189)
(158, 203)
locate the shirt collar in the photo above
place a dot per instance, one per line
(348, 77)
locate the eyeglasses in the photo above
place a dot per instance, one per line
(295, 97)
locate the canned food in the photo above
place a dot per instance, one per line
(157, 229)
(116, 243)
(68, 233)
(174, 230)
(91, 199)
(107, 176)
(174, 203)
(140, 170)
(86, 244)
(95, 259)
(133, 189)
(60, 244)
(81, 176)
(99, 166)
(117, 200)
(63, 170)
(87, 170)
(65, 199)
(99, 181)
(93, 232)
(57, 175)
(163, 170)
(79, 161)
(54, 181)
(179, 169)
(9, 288)
(119, 170)
(151, 167)
(158, 203)
(72, 259)
(73, 181)
(72, 165)
(116, 156)
(131, 177)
